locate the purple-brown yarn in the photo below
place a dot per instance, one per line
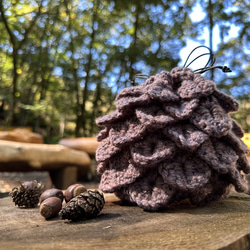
(169, 139)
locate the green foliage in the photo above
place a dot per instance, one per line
(62, 62)
(231, 32)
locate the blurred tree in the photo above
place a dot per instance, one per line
(17, 36)
(108, 42)
(64, 61)
(228, 26)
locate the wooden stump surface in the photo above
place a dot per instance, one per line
(222, 225)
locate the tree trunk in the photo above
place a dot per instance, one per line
(13, 42)
(95, 108)
(133, 44)
(74, 67)
(88, 68)
(15, 47)
(211, 27)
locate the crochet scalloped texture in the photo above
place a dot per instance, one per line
(171, 138)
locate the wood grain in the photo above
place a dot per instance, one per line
(222, 225)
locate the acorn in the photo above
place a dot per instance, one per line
(53, 192)
(73, 191)
(86, 205)
(27, 195)
(50, 207)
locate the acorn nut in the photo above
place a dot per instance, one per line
(50, 207)
(53, 192)
(73, 191)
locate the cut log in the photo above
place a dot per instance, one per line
(39, 156)
(87, 144)
(21, 135)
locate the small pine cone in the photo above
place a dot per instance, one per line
(27, 195)
(86, 205)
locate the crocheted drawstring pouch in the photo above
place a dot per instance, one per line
(169, 139)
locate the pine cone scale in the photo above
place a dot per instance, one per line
(27, 195)
(86, 205)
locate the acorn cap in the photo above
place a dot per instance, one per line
(73, 191)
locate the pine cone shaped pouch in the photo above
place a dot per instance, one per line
(169, 139)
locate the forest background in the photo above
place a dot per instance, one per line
(62, 62)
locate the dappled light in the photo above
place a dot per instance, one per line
(63, 62)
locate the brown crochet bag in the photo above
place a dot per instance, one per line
(170, 139)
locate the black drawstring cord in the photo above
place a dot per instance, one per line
(210, 62)
(208, 66)
(142, 76)
(224, 69)
(211, 58)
